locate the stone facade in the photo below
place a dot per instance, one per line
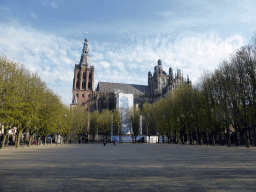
(83, 82)
(160, 83)
(104, 97)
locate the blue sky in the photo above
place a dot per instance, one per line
(126, 37)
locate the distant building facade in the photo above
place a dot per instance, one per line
(160, 83)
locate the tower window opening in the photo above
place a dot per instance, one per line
(78, 75)
(84, 75)
(83, 85)
(90, 76)
(78, 85)
(82, 95)
(77, 95)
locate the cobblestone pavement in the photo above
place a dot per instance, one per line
(128, 167)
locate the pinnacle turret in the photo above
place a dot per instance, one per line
(85, 58)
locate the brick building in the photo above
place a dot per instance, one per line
(83, 82)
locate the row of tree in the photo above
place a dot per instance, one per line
(100, 123)
(223, 103)
(27, 104)
(230, 93)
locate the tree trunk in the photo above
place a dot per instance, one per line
(213, 139)
(222, 139)
(66, 139)
(228, 139)
(201, 139)
(24, 141)
(45, 138)
(246, 127)
(248, 145)
(169, 138)
(147, 132)
(5, 135)
(191, 139)
(207, 138)
(30, 140)
(97, 134)
(17, 143)
(38, 140)
(78, 138)
(237, 135)
(254, 131)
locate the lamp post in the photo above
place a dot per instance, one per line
(163, 127)
(207, 136)
(111, 128)
(62, 136)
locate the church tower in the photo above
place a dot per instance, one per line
(83, 82)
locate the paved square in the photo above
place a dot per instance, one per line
(128, 167)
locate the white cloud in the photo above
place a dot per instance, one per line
(191, 54)
(54, 57)
(165, 13)
(51, 56)
(97, 56)
(34, 15)
(104, 64)
(53, 4)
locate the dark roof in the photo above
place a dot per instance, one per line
(107, 87)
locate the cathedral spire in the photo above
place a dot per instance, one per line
(85, 58)
(159, 63)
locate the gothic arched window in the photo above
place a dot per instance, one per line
(78, 85)
(89, 85)
(78, 75)
(83, 85)
(84, 75)
(90, 76)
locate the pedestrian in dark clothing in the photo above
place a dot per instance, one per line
(104, 143)
(114, 142)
